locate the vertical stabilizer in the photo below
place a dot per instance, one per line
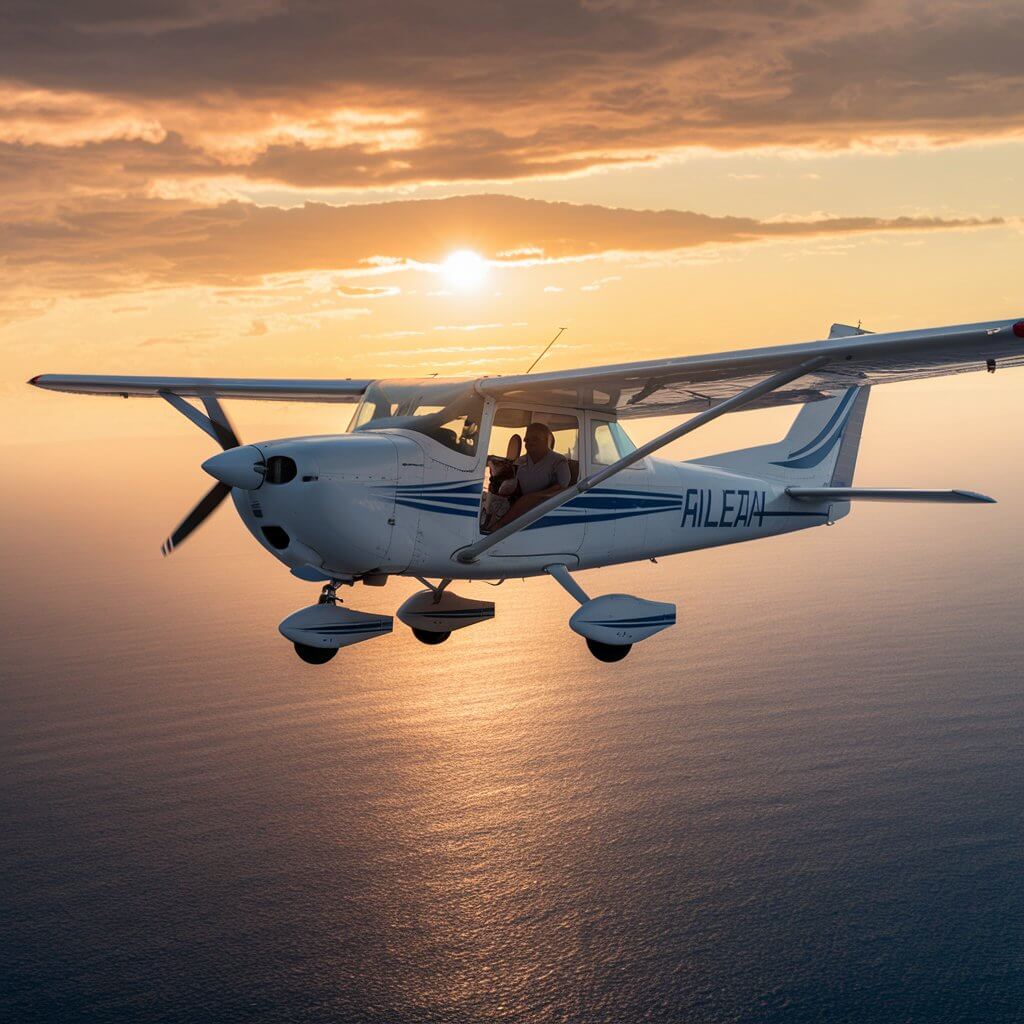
(823, 442)
(821, 446)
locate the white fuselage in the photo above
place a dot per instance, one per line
(397, 502)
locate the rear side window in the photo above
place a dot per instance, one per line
(603, 447)
(622, 440)
(609, 443)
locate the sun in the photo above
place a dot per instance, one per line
(464, 268)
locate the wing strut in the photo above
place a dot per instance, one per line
(216, 423)
(218, 426)
(472, 552)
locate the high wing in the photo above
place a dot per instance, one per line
(197, 387)
(656, 387)
(694, 383)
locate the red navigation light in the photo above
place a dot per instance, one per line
(1018, 328)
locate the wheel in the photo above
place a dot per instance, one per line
(315, 655)
(426, 637)
(608, 652)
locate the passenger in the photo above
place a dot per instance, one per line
(540, 473)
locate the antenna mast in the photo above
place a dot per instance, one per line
(546, 347)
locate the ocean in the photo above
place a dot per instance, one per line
(803, 803)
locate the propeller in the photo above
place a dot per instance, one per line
(218, 426)
(209, 501)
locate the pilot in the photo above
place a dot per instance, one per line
(540, 473)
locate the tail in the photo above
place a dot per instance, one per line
(821, 446)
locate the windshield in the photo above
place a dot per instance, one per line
(448, 413)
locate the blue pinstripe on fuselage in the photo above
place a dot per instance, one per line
(458, 498)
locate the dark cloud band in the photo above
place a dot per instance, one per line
(502, 89)
(96, 246)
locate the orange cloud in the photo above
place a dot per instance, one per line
(91, 246)
(356, 95)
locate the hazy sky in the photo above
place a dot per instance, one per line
(804, 798)
(271, 188)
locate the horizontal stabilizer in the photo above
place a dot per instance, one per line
(886, 494)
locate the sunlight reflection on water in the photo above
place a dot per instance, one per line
(803, 803)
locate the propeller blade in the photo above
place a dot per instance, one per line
(215, 422)
(225, 433)
(205, 506)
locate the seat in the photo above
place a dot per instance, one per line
(503, 468)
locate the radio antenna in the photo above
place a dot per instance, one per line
(546, 347)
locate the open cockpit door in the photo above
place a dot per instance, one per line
(563, 531)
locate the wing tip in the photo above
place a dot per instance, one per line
(976, 496)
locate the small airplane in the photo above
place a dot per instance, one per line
(419, 485)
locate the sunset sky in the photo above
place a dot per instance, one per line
(803, 802)
(269, 188)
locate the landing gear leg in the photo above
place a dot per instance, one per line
(320, 655)
(438, 590)
(638, 619)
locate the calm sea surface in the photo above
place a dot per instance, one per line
(804, 803)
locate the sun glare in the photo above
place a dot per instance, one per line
(464, 268)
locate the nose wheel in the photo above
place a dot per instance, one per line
(319, 630)
(315, 655)
(608, 652)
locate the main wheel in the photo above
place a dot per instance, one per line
(425, 636)
(315, 655)
(608, 652)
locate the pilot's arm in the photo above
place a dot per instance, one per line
(525, 502)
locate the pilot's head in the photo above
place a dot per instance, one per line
(538, 441)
